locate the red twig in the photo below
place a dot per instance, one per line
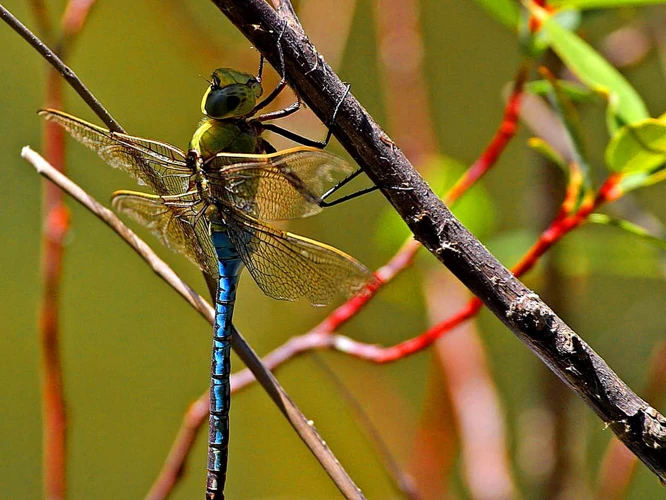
(56, 227)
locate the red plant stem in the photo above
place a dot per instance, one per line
(56, 226)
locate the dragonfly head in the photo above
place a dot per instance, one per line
(231, 94)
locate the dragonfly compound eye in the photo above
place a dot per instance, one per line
(232, 101)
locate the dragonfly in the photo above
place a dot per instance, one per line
(214, 203)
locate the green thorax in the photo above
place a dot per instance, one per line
(228, 136)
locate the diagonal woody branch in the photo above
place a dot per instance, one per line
(634, 421)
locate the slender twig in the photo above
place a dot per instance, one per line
(634, 421)
(61, 67)
(298, 421)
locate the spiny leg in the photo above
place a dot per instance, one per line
(305, 140)
(283, 79)
(297, 137)
(281, 113)
(325, 204)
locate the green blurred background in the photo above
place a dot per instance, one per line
(135, 355)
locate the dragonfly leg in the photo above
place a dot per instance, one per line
(299, 138)
(281, 113)
(343, 182)
(334, 116)
(325, 204)
(283, 79)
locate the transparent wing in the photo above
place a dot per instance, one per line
(287, 266)
(277, 186)
(178, 222)
(156, 164)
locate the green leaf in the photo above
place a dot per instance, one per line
(602, 4)
(638, 148)
(593, 70)
(505, 11)
(630, 227)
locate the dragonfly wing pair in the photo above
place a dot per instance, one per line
(248, 189)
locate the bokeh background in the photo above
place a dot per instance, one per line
(135, 355)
